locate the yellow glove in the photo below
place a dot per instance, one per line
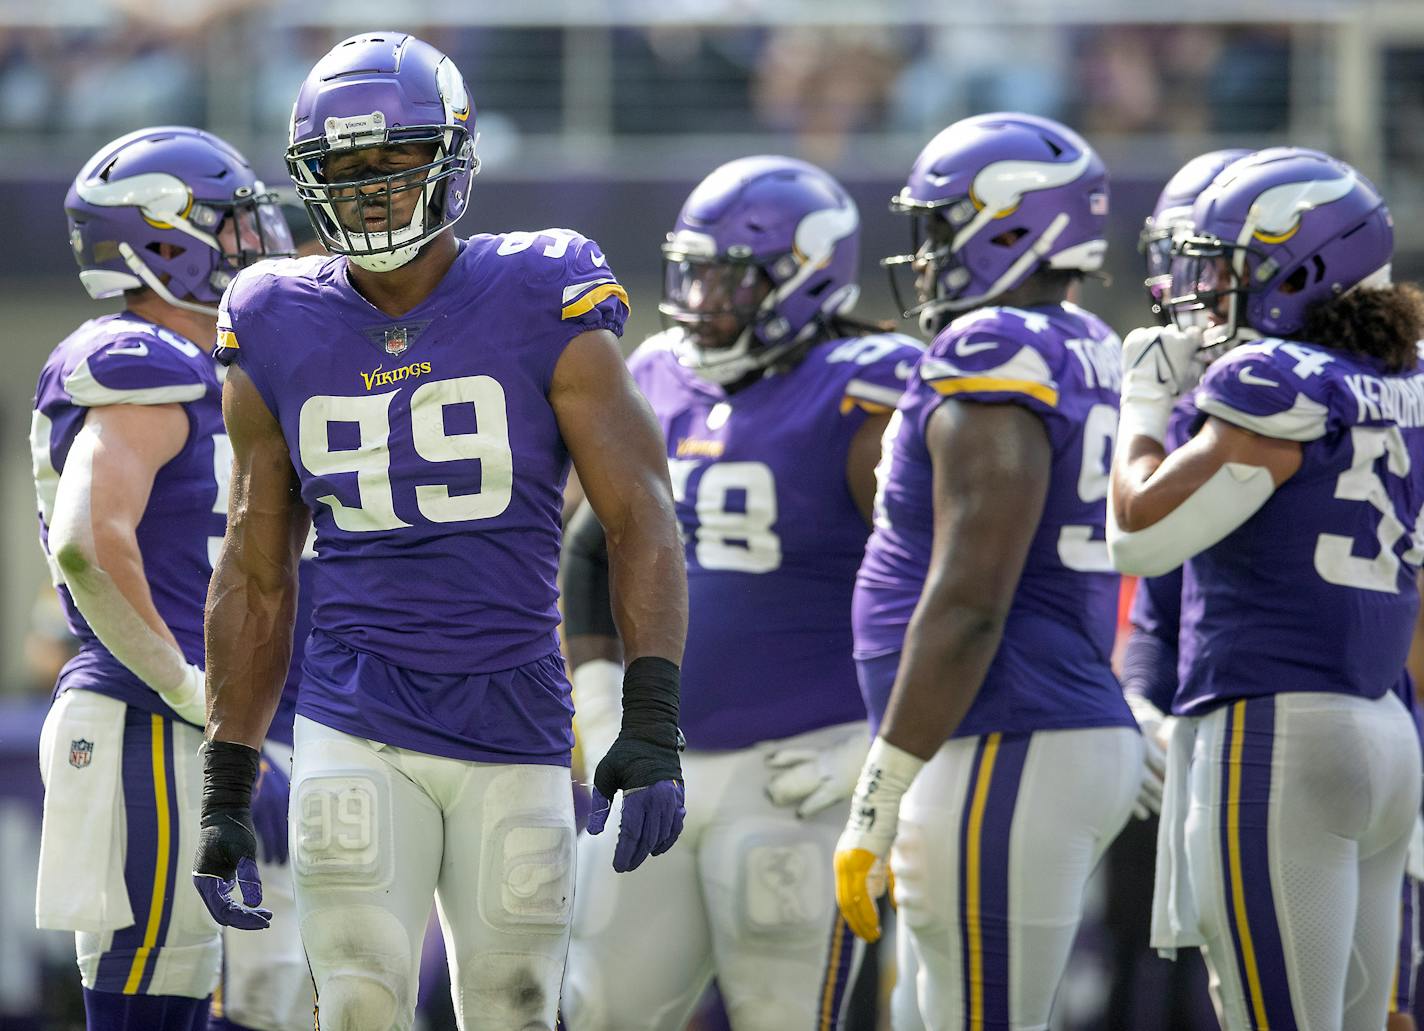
(862, 873)
(861, 878)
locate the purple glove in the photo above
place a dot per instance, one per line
(227, 841)
(217, 896)
(269, 811)
(652, 820)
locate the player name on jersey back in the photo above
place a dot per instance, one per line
(1318, 590)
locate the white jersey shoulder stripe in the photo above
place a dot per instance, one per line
(88, 392)
(1304, 420)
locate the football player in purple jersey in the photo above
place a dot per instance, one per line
(131, 469)
(1293, 768)
(985, 607)
(419, 397)
(773, 400)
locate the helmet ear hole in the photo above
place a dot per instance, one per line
(1296, 281)
(166, 251)
(1319, 264)
(1009, 238)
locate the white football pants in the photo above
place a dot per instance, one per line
(378, 830)
(746, 894)
(1302, 805)
(266, 984)
(998, 837)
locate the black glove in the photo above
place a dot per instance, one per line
(643, 763)
(227, 842)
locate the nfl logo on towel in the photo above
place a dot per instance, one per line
(80, 752)
(396, 342)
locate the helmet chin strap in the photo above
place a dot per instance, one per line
(140, 269)
(388, 261)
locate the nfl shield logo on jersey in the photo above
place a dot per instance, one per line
(80, 753)
(396, 340)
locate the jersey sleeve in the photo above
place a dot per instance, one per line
(136, 368)
(1268, 390)
(571, 280)
(880, 369)
(241, 335)
(993, 361)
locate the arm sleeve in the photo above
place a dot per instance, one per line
(588, 606)
(139, 369)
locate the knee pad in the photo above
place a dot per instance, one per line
(510, 991)
(343, 830)
(783, 886)
(365, 974)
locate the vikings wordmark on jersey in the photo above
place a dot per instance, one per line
(435, 484)
(773, 536)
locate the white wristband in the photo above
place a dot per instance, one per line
(875, 806)
(1144, 417)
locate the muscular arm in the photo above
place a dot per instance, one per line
(991, 472)
(101, 499)
(861, 462)
(620, 457)
(253, 596)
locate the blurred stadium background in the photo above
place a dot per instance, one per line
(600, 114)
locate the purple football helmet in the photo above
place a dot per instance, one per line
(995, 198)
(177, 186)
(381, 89)
(1275, 233)
(768, 245)
(1173, 216)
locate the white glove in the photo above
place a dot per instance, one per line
(598, 708)
(1156, 727)
(1159, 365)
(187, 697)
(813, 779)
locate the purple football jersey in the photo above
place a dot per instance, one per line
(122, 359)
(772, 534)
(1052, 669)
(1317, 590)
(430, 456)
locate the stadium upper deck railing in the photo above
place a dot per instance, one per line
(661, 88)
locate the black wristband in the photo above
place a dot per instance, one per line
(650, 701)
(229, 772)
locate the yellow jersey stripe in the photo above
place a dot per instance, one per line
(590, 299)
(1233, 852)
(160, 867)
(1394, 981)
(829, 994)
(962, 384)
(972, 875)
(850, 404)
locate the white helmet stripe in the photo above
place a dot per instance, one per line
(1001, 185)
(1278, 210)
